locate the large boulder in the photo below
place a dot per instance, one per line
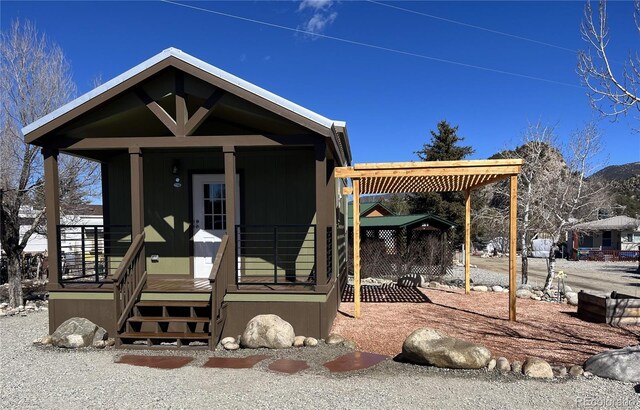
(537, 368)
(268, 331)
(76, 332)
(618, 364)
(435, 348)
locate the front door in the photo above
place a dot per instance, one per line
(209, 220)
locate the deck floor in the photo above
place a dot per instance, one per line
(189, 285)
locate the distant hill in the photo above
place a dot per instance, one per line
(618, 172)
(624, 183)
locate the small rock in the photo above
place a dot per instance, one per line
(334, 339)
(110, 342)
(30, 307)
(4, 305)
(491, 365)
(21, 308)
(231, 346)
(44, 340)
(567, 289)
(497, 288)
(298, 341)
(516, 366)
(311, 342)
(524, 286)
(538, 298)
(587, 374)
(559, 371)
(537, 368)
(226, 340)
(99, 344)
(576, 371)
(502, 365)
(480, 288)
(350, 344)
(434, 285)
(572, 298)
(523, 294)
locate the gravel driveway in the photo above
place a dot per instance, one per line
(37, 377)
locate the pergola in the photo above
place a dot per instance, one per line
(434, 176)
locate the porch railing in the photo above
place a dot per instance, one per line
(221, 271)
(129, 280)
(276, 254)
(91, 253)
(608, 255)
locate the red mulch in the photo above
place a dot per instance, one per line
(547, 330)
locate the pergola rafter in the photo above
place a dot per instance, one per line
(434, 176)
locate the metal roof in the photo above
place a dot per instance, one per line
(616, 223)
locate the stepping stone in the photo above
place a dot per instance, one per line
(354, 361)
(156, 362)
(288, 366)
(235, 362)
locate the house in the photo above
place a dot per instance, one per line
(615, 238)
(220, 203)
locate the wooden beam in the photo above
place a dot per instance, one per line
(346, 190)
(513, 228)
(345, 172)
(52, 210)
(159, 112)
(356, 247)
(209, 141)
(137, 192)
(438, 164)
(203, 112)
(181, 105)
(467, 242)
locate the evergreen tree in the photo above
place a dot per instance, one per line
(449, 205)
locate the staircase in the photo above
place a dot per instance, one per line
(157, 321)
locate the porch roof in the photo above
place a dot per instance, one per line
(616, 223)
(400, 221)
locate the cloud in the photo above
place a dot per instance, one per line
(321, 15)
(315, 4)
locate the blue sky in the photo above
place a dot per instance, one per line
(389, 100)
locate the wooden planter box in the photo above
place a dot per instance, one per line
(615, 309)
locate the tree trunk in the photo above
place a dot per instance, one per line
(15, 279)
(551, 268)
(525, 260)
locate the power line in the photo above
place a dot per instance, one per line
(373, 46)
(460, 23)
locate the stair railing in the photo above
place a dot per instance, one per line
(223, 267)
(129, 280)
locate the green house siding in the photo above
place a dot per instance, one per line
(276, 187)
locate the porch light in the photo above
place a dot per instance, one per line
(175, 169)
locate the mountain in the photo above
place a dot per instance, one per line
(618, 172)
(624, 184)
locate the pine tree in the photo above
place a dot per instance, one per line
(443, 145)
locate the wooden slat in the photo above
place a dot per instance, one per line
(165, 335)
(173, 303)
(180, 319)
(356, 247)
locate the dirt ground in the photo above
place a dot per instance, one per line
(622, 277)
(547, 330)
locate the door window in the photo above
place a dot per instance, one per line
(214, 207)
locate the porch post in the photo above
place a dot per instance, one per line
(356, 247)
(467, 242)
(230, 197)
(137, 192)
(513, 226)
(321, 214)
(52, 209)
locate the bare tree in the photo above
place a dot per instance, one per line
(35, 79)
(611, 93)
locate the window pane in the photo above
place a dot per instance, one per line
(208, 224)
(217, 191)
(206, 190)
(217, 207)
(207, 207)
(224, 191)
(217, 222)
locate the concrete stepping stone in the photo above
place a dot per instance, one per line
(288, 366)
(354, 361)
(234, 362)
(156, 362)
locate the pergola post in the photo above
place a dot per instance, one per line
(467, 241)
(230, 196)
(513, 211)
(52, 209)
(356, 247)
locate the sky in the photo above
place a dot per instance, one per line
(391, 70)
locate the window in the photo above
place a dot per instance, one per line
(633, 237)
(215, 212)
(606, 239)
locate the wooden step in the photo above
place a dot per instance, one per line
(166, 335)
(181, 319)
(174, 303)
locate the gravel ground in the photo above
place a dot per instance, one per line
(39, 377)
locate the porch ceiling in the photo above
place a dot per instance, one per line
(425, 176)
